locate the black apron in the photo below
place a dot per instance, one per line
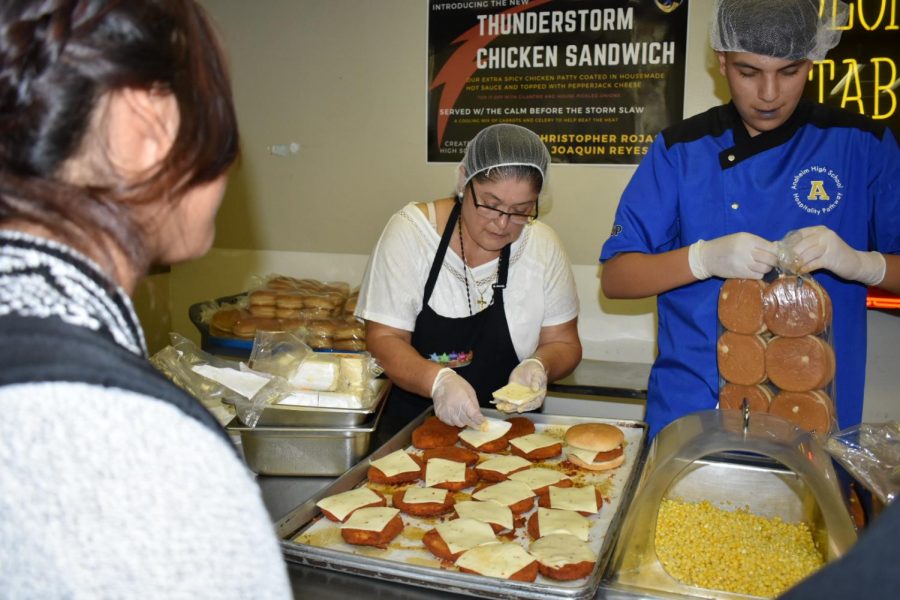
(485, 335)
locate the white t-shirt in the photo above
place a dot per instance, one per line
(540, 289)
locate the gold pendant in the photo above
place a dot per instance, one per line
(481, 303)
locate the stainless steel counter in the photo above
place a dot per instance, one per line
(605, 378)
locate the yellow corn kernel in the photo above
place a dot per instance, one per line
(736, 551)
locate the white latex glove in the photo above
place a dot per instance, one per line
(455, 402)
(739, 255)
(821, 248)
(532, 374)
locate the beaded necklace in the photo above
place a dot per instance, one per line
(462, 252)
(482, 303)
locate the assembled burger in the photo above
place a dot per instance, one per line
(595, 446)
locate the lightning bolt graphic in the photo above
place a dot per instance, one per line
(461, 65)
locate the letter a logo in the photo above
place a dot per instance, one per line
(817, 191)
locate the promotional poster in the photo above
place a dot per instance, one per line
(596, 79)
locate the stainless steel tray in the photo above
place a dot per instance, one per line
(414, 565)
(302, 451)
(277, 415)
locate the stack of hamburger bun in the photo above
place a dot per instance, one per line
(321, 310)
(774, 350)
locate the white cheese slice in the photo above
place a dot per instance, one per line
(534, 441)
(560, 549)
(505, 464)
(462, 534)
(587, 456)
(353, 371)
(493, 429)
(496, 560)
(316, 374)
(516, 393)
(341, 505)
(374, 518)
(506, 493)
(418, 495)
(538, 478)
(582, 499)
(553, 520)
(245, 383)
(395, 463)
(441, 470)
(488, 512)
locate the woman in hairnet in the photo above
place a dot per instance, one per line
(718, 189)
(463, 295)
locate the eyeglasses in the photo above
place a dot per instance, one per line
(489, 212)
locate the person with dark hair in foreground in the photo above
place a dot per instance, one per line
(117, 130)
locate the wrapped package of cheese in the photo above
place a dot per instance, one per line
(315, 379)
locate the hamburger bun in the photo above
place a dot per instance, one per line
(741, 358)
(811, 411)
(732, 396)
(741, 306)
(605, 440)
(796, 306)
(800, 364)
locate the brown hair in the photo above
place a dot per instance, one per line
(57, 59)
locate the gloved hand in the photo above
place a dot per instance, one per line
(455, 402)
(821, 248)
(739, 255)
(532, 374)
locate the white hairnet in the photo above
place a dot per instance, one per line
(504, 145)
(788, 29)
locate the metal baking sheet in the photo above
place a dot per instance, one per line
(304, 451)
(285, 415)
(309, 539)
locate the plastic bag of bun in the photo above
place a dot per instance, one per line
(336, 334)
(775, 350)
(284, 297)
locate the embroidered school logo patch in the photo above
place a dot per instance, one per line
(817, 190)
(452, 359)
